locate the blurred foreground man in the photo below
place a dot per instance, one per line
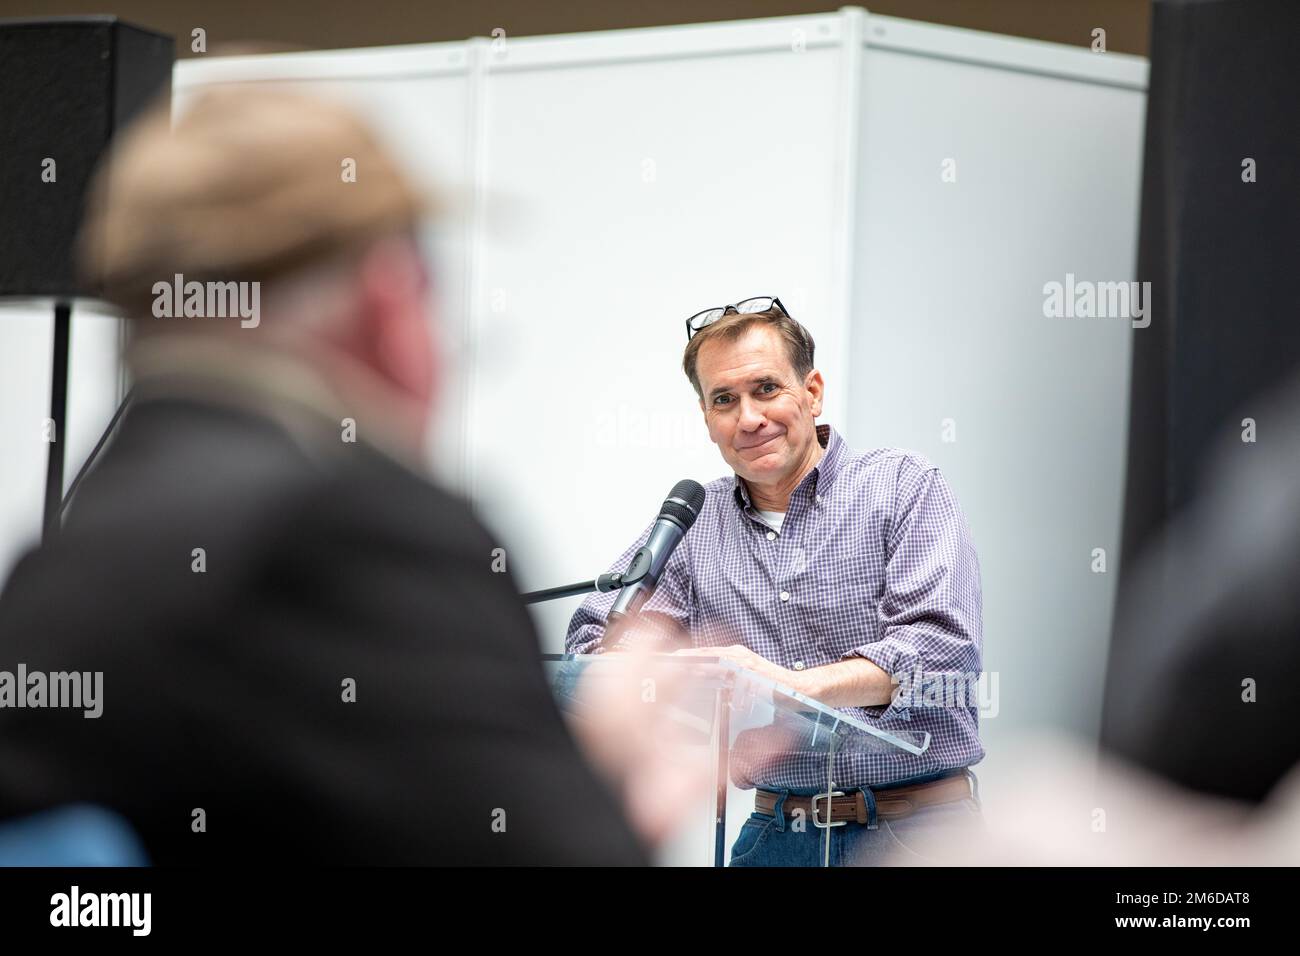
(305, 653)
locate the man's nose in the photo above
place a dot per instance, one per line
(751, 416)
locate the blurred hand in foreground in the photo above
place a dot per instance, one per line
(634, 724)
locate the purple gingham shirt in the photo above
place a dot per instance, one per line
(874, 560)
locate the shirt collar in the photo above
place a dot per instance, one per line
(822, 474)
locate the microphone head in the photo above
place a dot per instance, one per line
(684, 503)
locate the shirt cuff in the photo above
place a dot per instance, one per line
(901, 662)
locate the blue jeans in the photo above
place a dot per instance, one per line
(776, 841)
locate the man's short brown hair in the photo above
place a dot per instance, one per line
(798, 340)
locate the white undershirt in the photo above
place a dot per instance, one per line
(774, 518)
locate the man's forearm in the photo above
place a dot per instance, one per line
(855, 682)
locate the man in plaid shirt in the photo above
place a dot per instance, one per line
(836, 573)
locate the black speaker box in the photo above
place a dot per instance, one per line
(66, 86)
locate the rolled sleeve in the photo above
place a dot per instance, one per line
(894, 656)
(931, 609)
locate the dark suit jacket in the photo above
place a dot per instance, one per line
(223, 690)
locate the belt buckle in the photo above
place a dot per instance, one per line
(828, 796)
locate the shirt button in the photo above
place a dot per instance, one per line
(819, 499)
(798, 665)
(771, 536)
(785, 595)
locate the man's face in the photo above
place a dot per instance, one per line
(760, 414)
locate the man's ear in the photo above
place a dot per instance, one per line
(816, 387)
(400, 345)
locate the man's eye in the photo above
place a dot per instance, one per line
(767, 385)
(721, 399)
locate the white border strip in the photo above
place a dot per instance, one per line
(420, 59)
(476, 163)
(853, 26)
(1010, 53)
(770, 34)
(766, 35)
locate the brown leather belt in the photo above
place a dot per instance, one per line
(891, 804)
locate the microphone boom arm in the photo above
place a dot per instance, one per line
(604, 583)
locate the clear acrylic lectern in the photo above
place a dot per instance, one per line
(757, 731)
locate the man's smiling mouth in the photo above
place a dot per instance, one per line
(762, 444)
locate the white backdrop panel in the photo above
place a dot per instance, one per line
(27, 346)
(949, 325)
(94, 390)
(653, 189)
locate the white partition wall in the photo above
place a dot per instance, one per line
(952, 355)
(614, 182)
(663, 171)
(27, 348)
(610, 184)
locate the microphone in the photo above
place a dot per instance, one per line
(678, 513)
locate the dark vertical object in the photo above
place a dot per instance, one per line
(58, 415)
(67, 85)
(1221, 255)
(1225, 320)
(722, 758)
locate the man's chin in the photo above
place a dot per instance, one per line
(761, 468)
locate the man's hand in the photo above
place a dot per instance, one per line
(744, 657)
(852, 682)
